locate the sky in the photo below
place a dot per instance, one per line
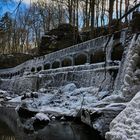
(11, 6)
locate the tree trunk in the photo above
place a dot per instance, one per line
(92, 7)
(126, 10)
(111, 6)
(120, 8)
(117, 16)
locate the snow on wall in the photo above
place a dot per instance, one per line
(82, 76)
(131, 81)
(83, 67)
(121, 72)
(20, 84)
(88, 48)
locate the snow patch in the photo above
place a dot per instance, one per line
(42, 117)
(68, 88)
(16, 99)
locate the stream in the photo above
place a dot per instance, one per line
(11, 129)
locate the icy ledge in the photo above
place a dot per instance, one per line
(126, 126)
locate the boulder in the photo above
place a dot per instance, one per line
(29, 95)
(42, 117)
(100, 118)
(40, 121)
(68, 88)
(25, 112)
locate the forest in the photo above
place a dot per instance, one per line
(21, 29)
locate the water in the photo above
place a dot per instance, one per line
(10, 129)
(5, 132)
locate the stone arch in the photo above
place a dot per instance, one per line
(117, 52)
(8, 75)
(97, 57)
(67, 62)
(23, 70)
(5, 76)
(81, 59)
(2, 76)
(18, 73)
(47, 66)
(39, 68)
(56, 64)
(33, 69)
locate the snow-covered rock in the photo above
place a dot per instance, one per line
(7, 98)
(42, 117)
(69, 87)
(16, 99)
(100, 117)
(126, 126)
(2, 92)
(43, 90)
(98, 108)
(63, 103)
(6, 95)
(29, 94)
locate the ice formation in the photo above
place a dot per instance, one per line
(126, 126)
(66, 100)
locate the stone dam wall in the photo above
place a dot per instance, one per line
(91, 52)
(92, 63)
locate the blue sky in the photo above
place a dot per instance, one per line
(11, 6)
